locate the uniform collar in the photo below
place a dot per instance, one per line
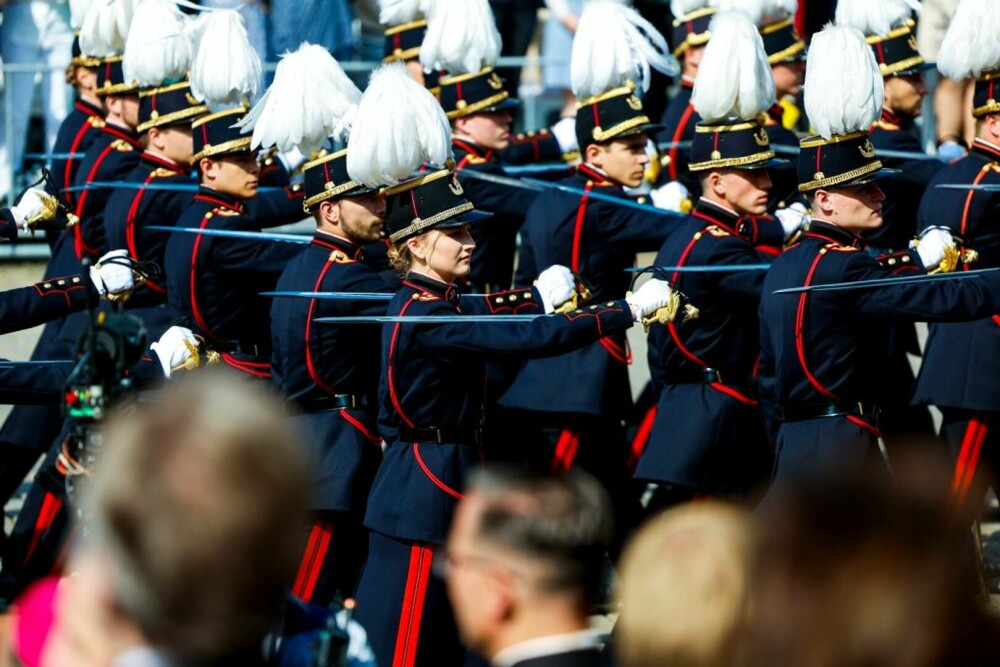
(592, 173)
(985, 149)
(207, 194)
(472, 148)
(123, 133)
(540, 647)
(894, 118)
(775, 115)
(717, 215)
(89, 108)
(154, 161)
(687, 83)
(831, 233)
(444, 291)
(334, 242)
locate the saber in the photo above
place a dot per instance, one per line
(784, 149)
(428, 319)
(345, 296)
(985, 187)
(887, 282)
(5, 363)
(54, 156)
(170, 187)
(714, 268)
(543, 168)
(233, 234)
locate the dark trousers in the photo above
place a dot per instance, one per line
(404, 607)
(334, 555)
(973, 438)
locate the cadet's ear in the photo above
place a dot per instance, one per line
(209, 168)
(415, 245)
(330, 211)
(594, 154)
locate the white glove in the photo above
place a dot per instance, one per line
(174, 348)
(792, 218)
(932, 244)
(670, 196)
(556, 286)
(32, 203)
(653, 295)
(113, 273)
(565, 133)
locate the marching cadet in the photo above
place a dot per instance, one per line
(820, 351)
(432, 377)
(704, 370)
(961, 360)
(691, 34)
(404, 35)
(568, 410)
(328, 374)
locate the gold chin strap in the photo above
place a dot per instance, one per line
(198, 355)
(581, 297)
(669, 312)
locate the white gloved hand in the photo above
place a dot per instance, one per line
(174, 348)
(556, 286)
(792, 218)
(565, 133)
(33, 202)
(113, 273)
(932, 244)
(653, 295)
(670, 196)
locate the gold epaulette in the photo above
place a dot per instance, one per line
(162, 172)
(474, 159)
(122, 146)
(717, 231)
(837, 247)
(96, 122)
(886, 125)
(340, 257)
(425, 296)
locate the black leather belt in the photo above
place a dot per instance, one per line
(439, 435)
(248, 348)
(701, 376)
(867, 411)
(328, 403)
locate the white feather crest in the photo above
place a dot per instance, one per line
(158, 45)
(734, 78)
(971, 47)
(105, 27)
(874, 17)
(614, 44)
(681, 8)
(399, 126)
(462, 37)
(310, 99)
(225, 69)
(843, 86)
(760, 11)
(78, 12)
(398, 12)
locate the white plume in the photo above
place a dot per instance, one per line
(310, 99)
(105, 27)
(462, 36)
(874, 17)
(971, 46)
(399, 126)
(398, 12)
(681, 8)
(158, 45)
(225, 69)
(843, 87)
(78, 12)
(614, 44)
(760, 11)
(734, 77)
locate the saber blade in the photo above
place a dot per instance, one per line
(427, 319)
(233, 234)
(887, 282)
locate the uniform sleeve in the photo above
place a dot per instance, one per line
(765, 232)
(277, 207)
(8, 227)
(252, 256)
(540, 146)
(639, 231)
(33, 385)
(495, 197)
(747, 283)
(921, 171)
(545, 336)
(511, 302)
(26, 307)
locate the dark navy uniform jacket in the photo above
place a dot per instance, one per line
(784, 178)
(598, 240)
(126, 218)
(215, 283)
(495, 237)
(903, 191)
(315, 364)
(679, 119)
(528, 147)
(76, 134)
(433, 377)
(818, 347)
(8, 226)
(110, 158)
(708, 360)
(962, 360)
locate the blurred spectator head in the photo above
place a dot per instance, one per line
(682, 588)
(525, 556)
(858, 571)
(193, 519)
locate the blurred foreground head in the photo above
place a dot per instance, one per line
(195, 508)
(683, 581)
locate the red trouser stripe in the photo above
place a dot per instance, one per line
(46, 515)
(408, 635)
(641, 438)
(968, 457)
(307, 560)
(566, 449)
